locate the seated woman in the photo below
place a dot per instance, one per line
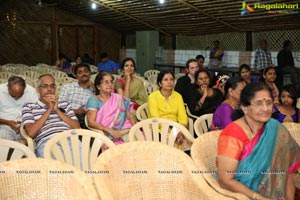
(286, 110)
(167, 103)
(129, 86)
(108, 111)
(245, 73)
(269, 77)
(222, 115)
(201, 98)
(256, 154)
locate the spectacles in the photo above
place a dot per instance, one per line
(46, 86)
(261, 104)
(107, 82)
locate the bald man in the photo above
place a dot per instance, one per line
(13, 95)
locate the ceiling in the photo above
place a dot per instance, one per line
(183, 17)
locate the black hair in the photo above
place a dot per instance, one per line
(292, 91)
(286, 43)
(13, 80)
(199, 71)
(81, 65)
(244, 66)
(247, 95)
(103, 55)
(232, 83)
(161, 76)
(99, 78)
(265, 71)
(199, 56)
(190, 61)
(125, 60)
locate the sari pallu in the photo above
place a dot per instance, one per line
(137, 91)
(113, 114)
(266, 160)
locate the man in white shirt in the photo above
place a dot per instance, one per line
(13, 95)
(78, 93)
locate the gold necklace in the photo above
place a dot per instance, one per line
(252, 133)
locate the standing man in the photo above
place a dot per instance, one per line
(78, 93)
(107, 65)
(188, 80)
(286, 63)
(263, 58)
(47, 117)
(13, 95)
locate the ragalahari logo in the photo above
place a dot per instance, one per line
(246, 8)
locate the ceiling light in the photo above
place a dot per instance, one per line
(161, 1)
(93, 5)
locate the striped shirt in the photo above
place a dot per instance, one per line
(32, 112)
(74, 94)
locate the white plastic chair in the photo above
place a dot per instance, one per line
(158, 130)
(203, 123)
(78, 147)
(11, 150)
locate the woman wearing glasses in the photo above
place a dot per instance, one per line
(256, 154)
(108, 111)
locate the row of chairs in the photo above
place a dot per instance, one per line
(203, 152)
(199, 125)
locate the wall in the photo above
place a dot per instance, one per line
(40, 33)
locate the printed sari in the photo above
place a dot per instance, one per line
(113, 113)
(264, 161)
(137, 91)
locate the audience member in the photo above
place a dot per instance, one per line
(286, 110)
(256, 155)
(47, 117)
(108, 111)
(269, 77)
(87, 59)
(263, 58)
(201, 99)
(78, 93)
(286, 63)
(188, 80)
(130, 86)
(107, 65)
(14, 95)
(245, 73)
(64, 65)
(216, 54)
(222, 115)
(168, 104)
(200, 60)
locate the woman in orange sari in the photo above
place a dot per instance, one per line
(256, 154)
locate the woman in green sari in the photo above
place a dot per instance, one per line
(130, 86)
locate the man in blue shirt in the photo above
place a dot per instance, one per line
(107, 65)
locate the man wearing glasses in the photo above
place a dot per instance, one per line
(13, 95)
(47, 116)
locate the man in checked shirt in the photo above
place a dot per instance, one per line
(77, 93)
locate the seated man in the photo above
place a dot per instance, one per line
(47, 116)
(13, 95)
(78, 93)
(107, 65)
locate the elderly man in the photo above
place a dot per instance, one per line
(47, 116)
(13, 95)
(77, 93)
